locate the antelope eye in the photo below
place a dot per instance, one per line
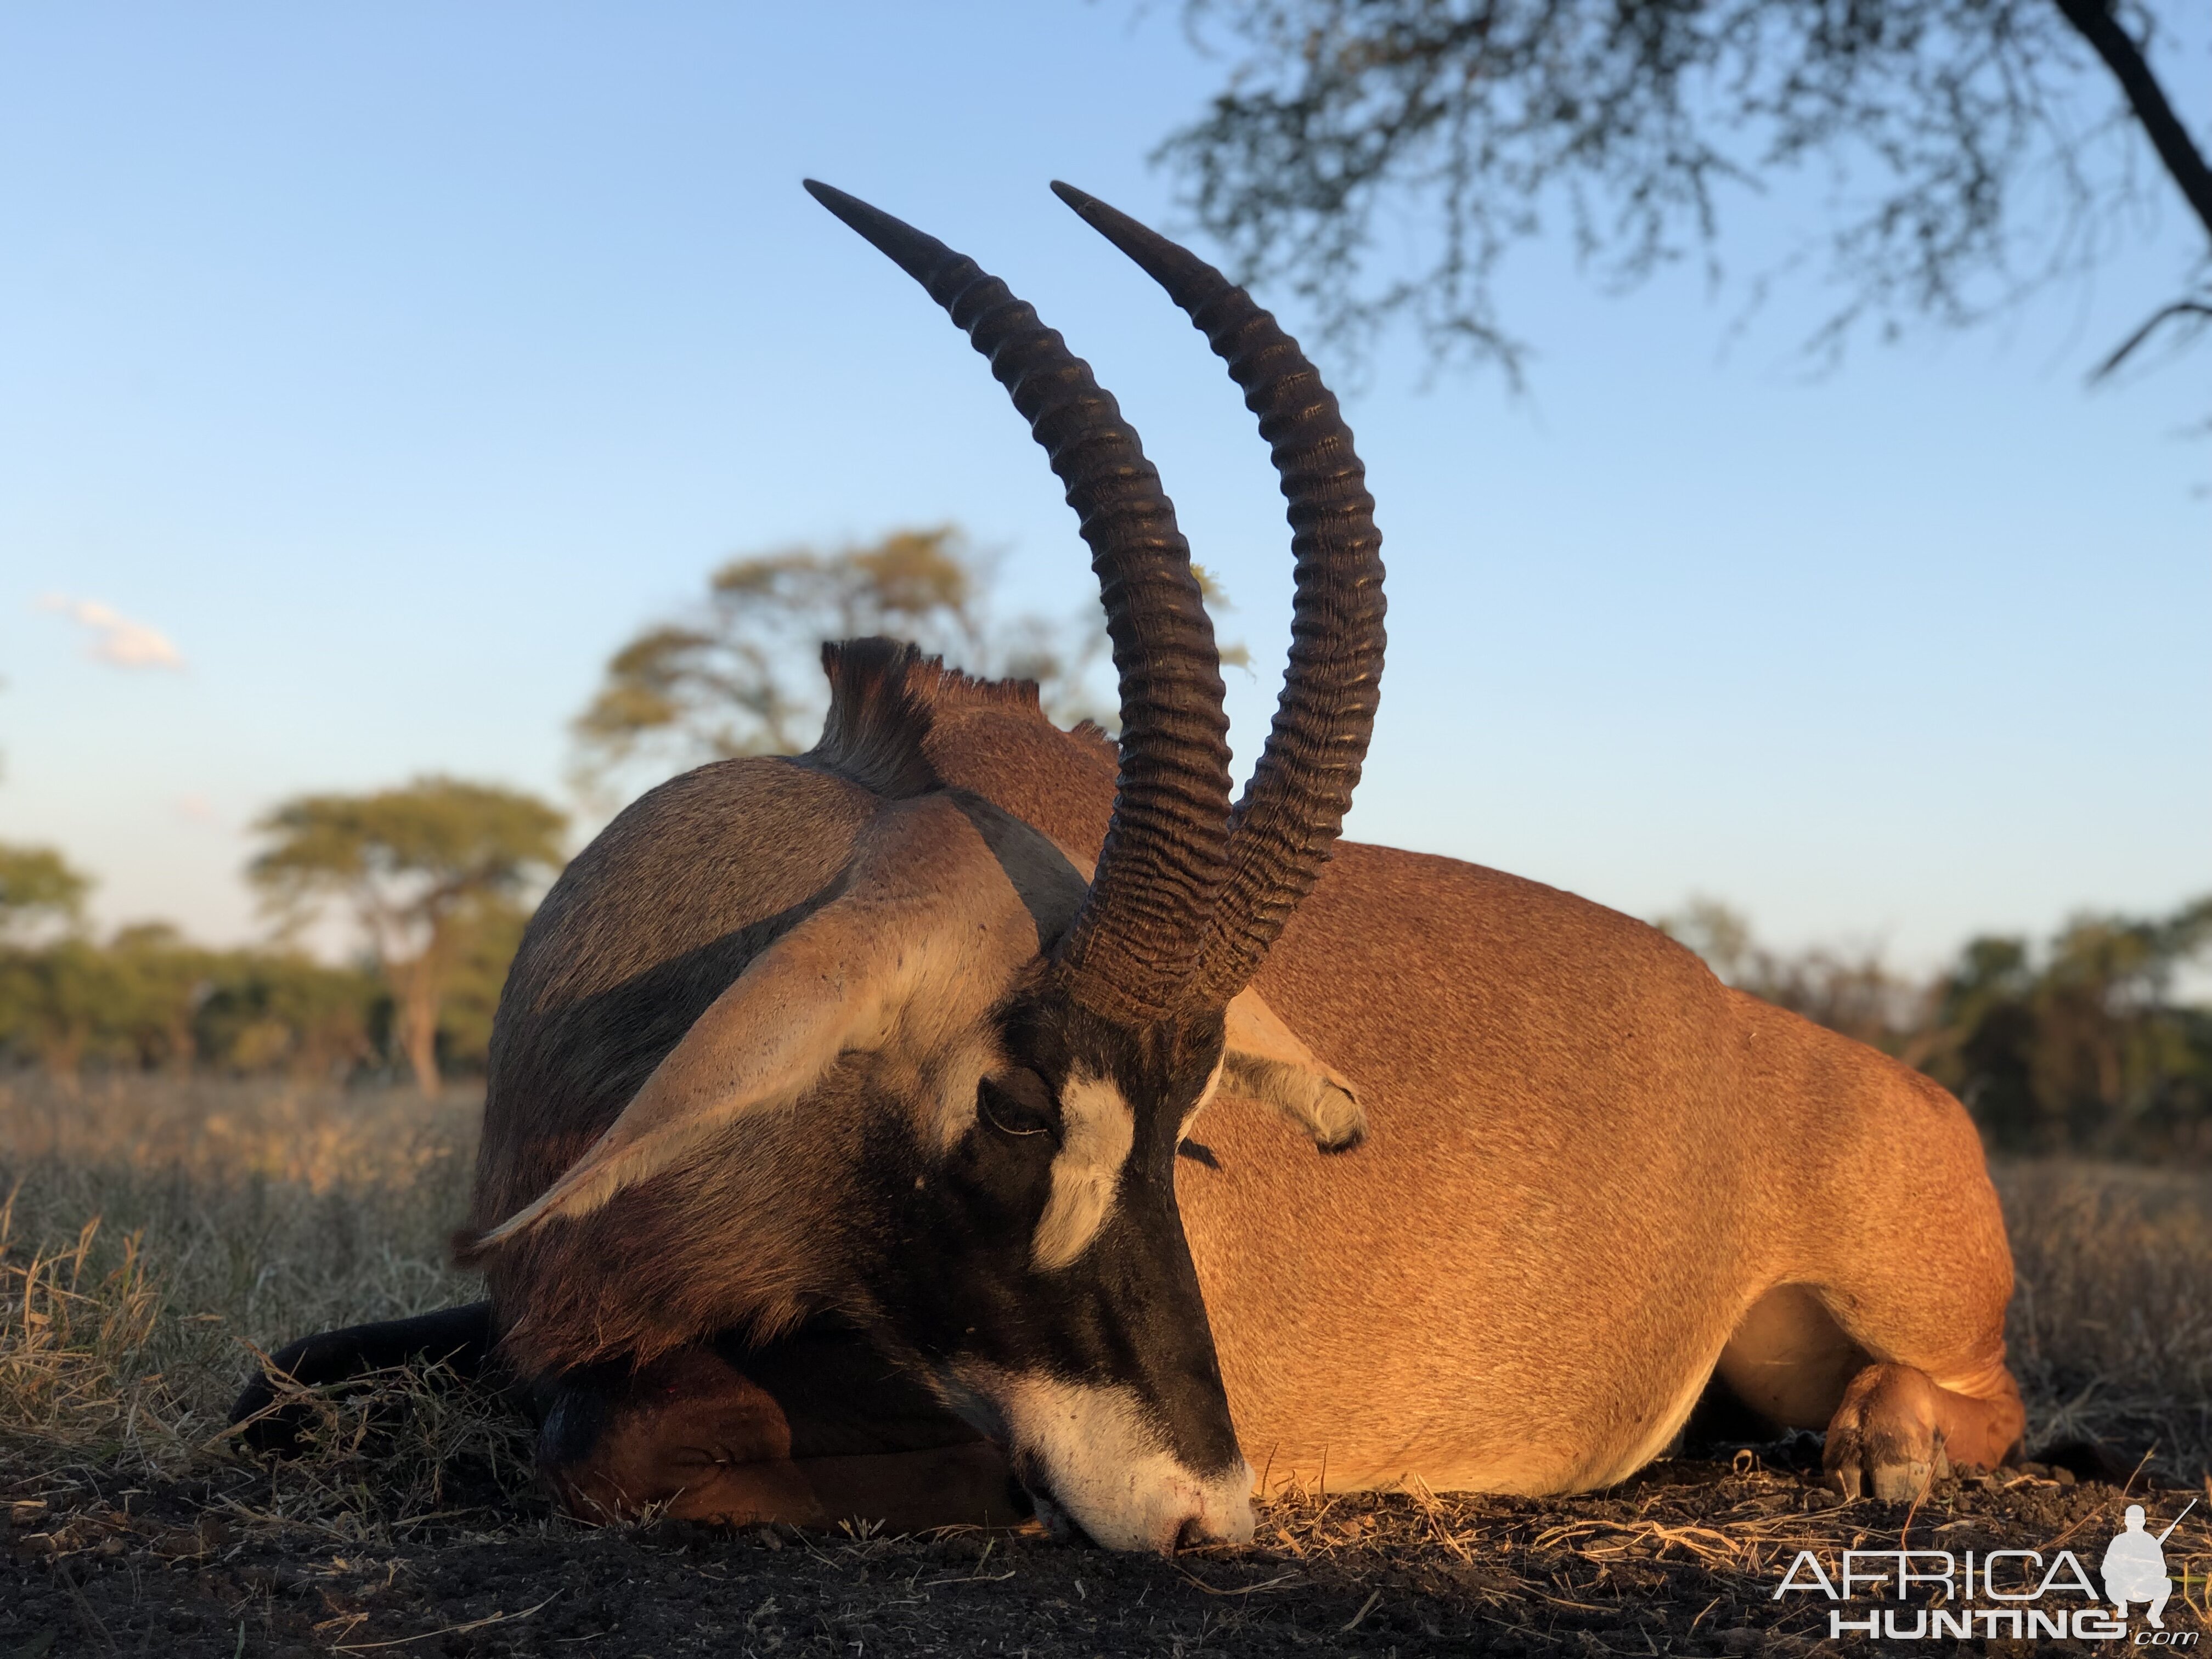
(1019, 1103)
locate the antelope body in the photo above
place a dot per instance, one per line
(865, 1125)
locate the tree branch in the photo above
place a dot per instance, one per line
(2095, 21)
(2162, 315)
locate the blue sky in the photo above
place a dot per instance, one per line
(395, 363)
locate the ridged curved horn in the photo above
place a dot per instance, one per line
(1280, 834)
(1134, 943)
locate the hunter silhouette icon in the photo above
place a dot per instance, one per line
(2135, 1565)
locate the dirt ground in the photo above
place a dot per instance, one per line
(1685, 1559)
(154, 1234)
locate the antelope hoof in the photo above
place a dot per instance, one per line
(1336, 1120)
(1883, 1441)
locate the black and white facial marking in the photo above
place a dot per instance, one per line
(1035, 1267)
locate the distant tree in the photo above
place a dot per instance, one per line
(479, 975)
(38, 889)
(426, 869)
(56, 997)
(2082, 1046)
(161, 979)
(741, 674)
(1384, 155)
(63, 1002)
(268, 1010)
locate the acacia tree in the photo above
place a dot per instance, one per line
(740, 674)
(428, 870)
(39, 888)
(1977, 149)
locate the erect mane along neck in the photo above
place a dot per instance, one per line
(886, 697)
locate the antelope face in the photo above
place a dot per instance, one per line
(1039, 1270)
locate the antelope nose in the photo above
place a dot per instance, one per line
(1211, 1511)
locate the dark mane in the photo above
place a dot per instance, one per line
(885, 700)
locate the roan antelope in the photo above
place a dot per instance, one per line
(867, 1126)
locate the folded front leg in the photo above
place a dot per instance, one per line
(809, 1431)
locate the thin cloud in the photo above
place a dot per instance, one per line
(115, 638)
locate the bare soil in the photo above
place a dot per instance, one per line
(1684, 1559)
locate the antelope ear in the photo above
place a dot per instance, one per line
(928, 922)
(1266, 1061)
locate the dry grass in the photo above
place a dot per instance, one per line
(158, 1232)
(155, 1231)
(154, 1234)
(2110, 1328)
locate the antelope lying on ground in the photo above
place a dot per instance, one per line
(851, 1141)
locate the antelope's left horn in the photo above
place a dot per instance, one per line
(1130, 953)
(1294, 809)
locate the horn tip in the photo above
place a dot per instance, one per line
(870, 221)
(1089, 209)
(918, 254)
(1164, 261)
(830, 196)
